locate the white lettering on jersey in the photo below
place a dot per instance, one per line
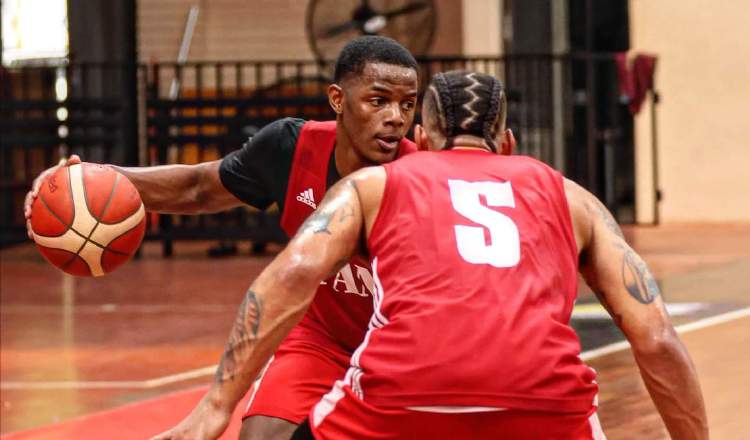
(346, 282)
(504, 247)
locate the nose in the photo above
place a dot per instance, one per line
(395, 116)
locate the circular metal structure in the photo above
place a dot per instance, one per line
(330, 24)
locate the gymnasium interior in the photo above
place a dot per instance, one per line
(640, 102)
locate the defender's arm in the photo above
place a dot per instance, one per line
(627, 289)
(274, 304)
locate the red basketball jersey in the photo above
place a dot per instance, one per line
(475, 266)
(343, 305)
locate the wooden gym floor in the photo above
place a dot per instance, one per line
(127, 355)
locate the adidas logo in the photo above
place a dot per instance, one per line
(307, 198)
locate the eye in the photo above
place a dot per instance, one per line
(377, 101)
(408, 105)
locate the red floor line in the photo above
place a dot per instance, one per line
(139, 420)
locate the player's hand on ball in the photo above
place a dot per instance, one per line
(87, 219)
(34, 192)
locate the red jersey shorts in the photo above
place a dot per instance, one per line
(342, 415)
(299, 374)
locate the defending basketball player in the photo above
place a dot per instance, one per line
(292, 162)
(475, 258)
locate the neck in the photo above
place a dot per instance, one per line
(468, 142)
(346, 157)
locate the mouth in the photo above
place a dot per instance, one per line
(388, 143)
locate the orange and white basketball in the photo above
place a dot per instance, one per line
(88, 219)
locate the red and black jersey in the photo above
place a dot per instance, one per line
(475, 267)
(258, 173)
(291, 162)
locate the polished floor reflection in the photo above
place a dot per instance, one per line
(72, 347)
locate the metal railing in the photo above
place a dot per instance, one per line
(197, 111)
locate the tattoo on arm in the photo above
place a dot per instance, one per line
(243, 336)
(318, 222)
(346, 211)
(608, 219)
(321, 219)
(603, 300)
(638, 280)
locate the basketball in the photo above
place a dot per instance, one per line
(88, 219)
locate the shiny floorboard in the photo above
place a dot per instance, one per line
(71, 347)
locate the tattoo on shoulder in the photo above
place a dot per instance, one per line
(243, 336)
(638, 280)
(609, 220)
(318, 222)
(321, 219)
(345, 212)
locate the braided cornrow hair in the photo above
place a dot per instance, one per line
(468, 103)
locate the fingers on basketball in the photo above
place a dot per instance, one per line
(87, 219)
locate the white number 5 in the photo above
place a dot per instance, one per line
(504, 249)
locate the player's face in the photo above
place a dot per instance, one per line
(378, 109)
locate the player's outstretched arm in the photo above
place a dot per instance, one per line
(199, 189)
(174, 189)
(181, 189)
(274, 304)
(627, 289)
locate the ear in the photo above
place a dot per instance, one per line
(508, 144)
(336, 98)
(420, 138)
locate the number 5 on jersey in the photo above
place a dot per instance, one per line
(504, 249)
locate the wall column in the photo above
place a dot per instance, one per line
(482, 27)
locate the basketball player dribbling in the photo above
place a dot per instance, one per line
(475, 258)
(292, 162)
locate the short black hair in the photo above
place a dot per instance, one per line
(371, 49)
(467, 103)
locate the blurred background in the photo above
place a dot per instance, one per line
(637, 100)
(643, 102)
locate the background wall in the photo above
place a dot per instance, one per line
(254, 30)
(481, 24)
(703, 76)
